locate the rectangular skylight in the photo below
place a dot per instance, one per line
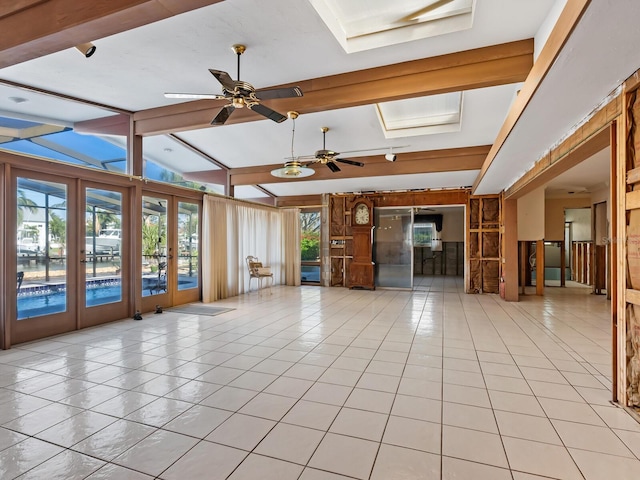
(365, 24)
(421, 116)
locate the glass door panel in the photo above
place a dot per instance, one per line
(310, 224)
(155, 263)
(40, 250)
(43, 301)
(103, 255)
(184, 238)
(188, 246)
(103, 247)
(392, 247)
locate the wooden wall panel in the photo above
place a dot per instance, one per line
(341, 240)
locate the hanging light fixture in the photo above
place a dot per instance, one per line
(293, 169)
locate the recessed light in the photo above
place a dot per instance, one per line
(18, 99)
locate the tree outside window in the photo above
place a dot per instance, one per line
(310, 236)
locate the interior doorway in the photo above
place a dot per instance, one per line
(439, 248)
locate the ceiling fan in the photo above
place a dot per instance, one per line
(296, 168)
(241, 94)
(329, 157)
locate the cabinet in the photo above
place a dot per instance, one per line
(340, 241)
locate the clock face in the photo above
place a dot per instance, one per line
(362, 214)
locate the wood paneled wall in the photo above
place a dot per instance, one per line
(483, 237)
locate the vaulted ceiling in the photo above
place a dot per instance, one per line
(370, 71)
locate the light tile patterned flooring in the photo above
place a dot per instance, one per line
(324, 384)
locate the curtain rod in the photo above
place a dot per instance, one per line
(249, 202)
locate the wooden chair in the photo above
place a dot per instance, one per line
(259, 272)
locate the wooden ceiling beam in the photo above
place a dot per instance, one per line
(113, 125)
(449, 160)
(477, 68)
(34, 28)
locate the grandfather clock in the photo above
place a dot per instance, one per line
(361, 274)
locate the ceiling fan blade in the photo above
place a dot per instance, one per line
(210, 96)
(286, 92)
(267, 112)
(224, 78)
(349, 162)
(415, 15)
(223, 115)
(333, 167)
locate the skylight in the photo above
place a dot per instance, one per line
(366, 24)
(421, 116)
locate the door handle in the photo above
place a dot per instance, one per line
(83, 261)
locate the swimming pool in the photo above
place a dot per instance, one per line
(33, 302)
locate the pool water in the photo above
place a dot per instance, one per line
(55, 301)
(46, 300)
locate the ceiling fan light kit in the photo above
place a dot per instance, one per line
(242, 94)
(293, 169)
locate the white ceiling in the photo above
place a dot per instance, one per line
(288, 42)
(585, 178)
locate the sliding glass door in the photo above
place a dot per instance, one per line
(393, 247)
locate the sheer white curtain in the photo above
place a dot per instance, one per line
(233, 230)
(291, 227)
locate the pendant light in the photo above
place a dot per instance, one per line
(293, 169)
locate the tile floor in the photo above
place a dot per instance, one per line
(326, 384)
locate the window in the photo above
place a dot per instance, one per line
(423, 234)
(310, 223)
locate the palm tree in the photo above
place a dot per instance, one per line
(103, 218)
(58, 228)
(24, 203)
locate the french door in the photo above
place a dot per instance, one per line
(66, 275)
(170, 251)
(104, 261)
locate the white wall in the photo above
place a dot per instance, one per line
(580, 219)
(531, 216)
(453, 226)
